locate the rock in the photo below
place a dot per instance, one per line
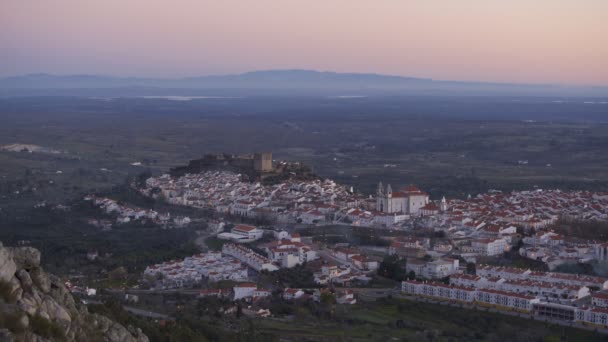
(16, 289)
(24, 321)
(41, 280)
(35, 292)
(25, 279)
(6, 335)
(7, 265)
(55, 311)
(26, 257)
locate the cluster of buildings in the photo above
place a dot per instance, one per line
(433, 269)
(487, 225)
(555, 249)
(546, 294)
(291, 201)
(344, 274)
(213, 266)
(531, 209)
(126, 214)
(242, 233)
(250, 258)
(288, 250)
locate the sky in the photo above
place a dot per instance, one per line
(520, 41)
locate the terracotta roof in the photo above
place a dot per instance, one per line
(244, 228)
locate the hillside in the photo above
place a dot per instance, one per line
(36, 306)
(274, 82)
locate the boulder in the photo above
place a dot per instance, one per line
(25, 279)
(26, 257)
(31, 291)
(7, 265)
(41, 280)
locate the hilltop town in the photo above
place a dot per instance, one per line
(496, 249)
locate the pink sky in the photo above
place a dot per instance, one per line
(529, 41)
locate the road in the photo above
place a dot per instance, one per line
(145, 313)
(328, 256)
(130, 309)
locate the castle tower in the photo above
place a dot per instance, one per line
(262, 162)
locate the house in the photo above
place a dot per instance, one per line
(249, 257)
(261, 293)
(312, 217)
(244, 290)
(247, 232)
(435, 269)
(345, 254)
(291, 294)
(364, 263)
(281, 235)
(345, 296)
(490, 246)
(214, 293)
(600, 299)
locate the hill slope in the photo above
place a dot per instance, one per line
(36, 306)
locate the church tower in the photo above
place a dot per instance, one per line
(444, 205)
(380, 190)
(389, 199)
(380, 198)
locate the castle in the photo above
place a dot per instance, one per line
(262, 162)
(406, 201)
(253, 165)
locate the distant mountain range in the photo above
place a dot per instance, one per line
(279, 81)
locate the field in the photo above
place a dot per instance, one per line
(449, 146)
(398, 319)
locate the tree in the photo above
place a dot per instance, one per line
(119, 273)
(328, 298)
(392, 267)
(471, 268)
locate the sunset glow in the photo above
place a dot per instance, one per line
(540, 41)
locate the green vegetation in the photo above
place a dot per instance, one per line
(65, 237)
(11, 321)
(400, 319)
(6, 292)
(593, 230)
(392, 267)
(298, 277)
(45, 328)
(214, 243)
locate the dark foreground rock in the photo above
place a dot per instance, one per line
(36, 306)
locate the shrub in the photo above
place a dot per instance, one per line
(45, 328)
(7, 293)
(11, 321)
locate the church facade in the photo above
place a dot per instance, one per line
(406, 201)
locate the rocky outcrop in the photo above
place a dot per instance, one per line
(36, 306)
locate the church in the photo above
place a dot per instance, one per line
(407, 201)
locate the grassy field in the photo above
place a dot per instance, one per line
(398, 319)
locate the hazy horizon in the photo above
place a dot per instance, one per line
(542, 42)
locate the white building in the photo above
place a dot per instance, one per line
(249, 257)
(244, 290)
(490, 247)
(242, 233)
(408, 201)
